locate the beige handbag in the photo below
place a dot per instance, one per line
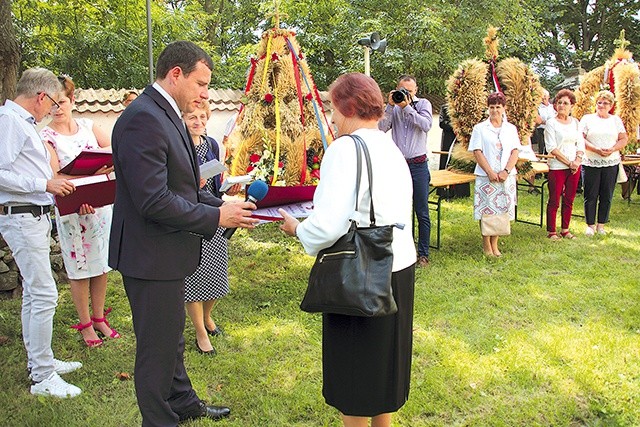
(495, 225)
(622, 176)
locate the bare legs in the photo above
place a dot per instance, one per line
(81, 290)
(382, 420)
(490, 246)
(200, 315)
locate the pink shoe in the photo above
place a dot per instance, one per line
(90, 343)
(114, 333)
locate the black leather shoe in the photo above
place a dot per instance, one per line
(216, 332)
(215, 413)
(211, 352)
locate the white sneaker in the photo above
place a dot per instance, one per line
(61, 367)
(589, 232)
(56, 387)
(601, 231)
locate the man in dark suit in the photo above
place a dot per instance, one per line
(159, 218)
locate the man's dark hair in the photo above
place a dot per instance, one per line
(183, 54)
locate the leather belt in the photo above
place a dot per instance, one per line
(35, 210)
(418, 159)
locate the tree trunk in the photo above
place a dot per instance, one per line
(9, 53)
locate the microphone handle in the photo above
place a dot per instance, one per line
(229, 231)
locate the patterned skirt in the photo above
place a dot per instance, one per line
(492, 198)
(210, 280)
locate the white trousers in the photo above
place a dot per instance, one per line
(28, 238)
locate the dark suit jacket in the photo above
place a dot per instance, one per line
(159, 214)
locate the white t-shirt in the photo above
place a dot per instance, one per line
(334, 199)
(603, 133)
(564, 137)
(496, 144)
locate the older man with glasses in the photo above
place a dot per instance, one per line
(27, 187)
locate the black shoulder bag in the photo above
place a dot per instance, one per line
(353, 277)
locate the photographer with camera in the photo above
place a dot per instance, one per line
(409, 119)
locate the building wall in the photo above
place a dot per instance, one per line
(219, 119)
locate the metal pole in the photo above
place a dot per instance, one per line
(367, 68)
(149, 42)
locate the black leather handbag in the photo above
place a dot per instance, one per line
(353, 277)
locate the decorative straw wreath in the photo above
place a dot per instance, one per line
(281, 130)
(621, 76)
(467, 91)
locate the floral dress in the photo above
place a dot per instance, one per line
(84, 239)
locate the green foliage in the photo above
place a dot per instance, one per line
(103, 43)
(547, 335)
(582, 32)
(100, 44)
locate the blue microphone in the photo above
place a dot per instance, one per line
(256, 192)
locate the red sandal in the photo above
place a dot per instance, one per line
(114, 333)
(90, 343)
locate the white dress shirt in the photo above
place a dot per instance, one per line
(25, 164)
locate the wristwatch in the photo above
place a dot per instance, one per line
(506, 170)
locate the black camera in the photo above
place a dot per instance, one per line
(398, 96)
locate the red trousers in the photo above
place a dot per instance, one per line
(562, 184)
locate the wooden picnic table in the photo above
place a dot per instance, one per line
(444, 179)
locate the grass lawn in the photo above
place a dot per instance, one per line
(547, 335)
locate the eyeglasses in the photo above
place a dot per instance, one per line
(603, 103)
(563, 103)
(55, 105)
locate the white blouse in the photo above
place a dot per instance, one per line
(564, 137)
(334, 199)
(496, 144)
(603, 133)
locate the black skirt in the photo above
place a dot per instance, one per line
(366, 361)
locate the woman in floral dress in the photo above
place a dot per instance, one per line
(84, 236)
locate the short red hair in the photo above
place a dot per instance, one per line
(566, 93)
(355, 94)
(497, 98)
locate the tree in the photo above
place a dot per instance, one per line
(581, 32)
(9, 53)
(100, 43)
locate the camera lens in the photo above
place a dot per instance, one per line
(398, 96)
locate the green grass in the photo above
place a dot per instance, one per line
(547, 335)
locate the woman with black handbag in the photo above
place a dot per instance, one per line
(366, 360)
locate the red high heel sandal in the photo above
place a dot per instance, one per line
(114, 333)
(90, 343)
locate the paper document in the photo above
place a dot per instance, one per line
(296, 210)
(232, 180)
(211, 168)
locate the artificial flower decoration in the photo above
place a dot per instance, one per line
(261, 166)
(268, 98)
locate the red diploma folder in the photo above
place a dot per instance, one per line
(94, 190)
(88, 162)
(284, 195)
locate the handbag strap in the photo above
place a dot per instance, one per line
(360, 145)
